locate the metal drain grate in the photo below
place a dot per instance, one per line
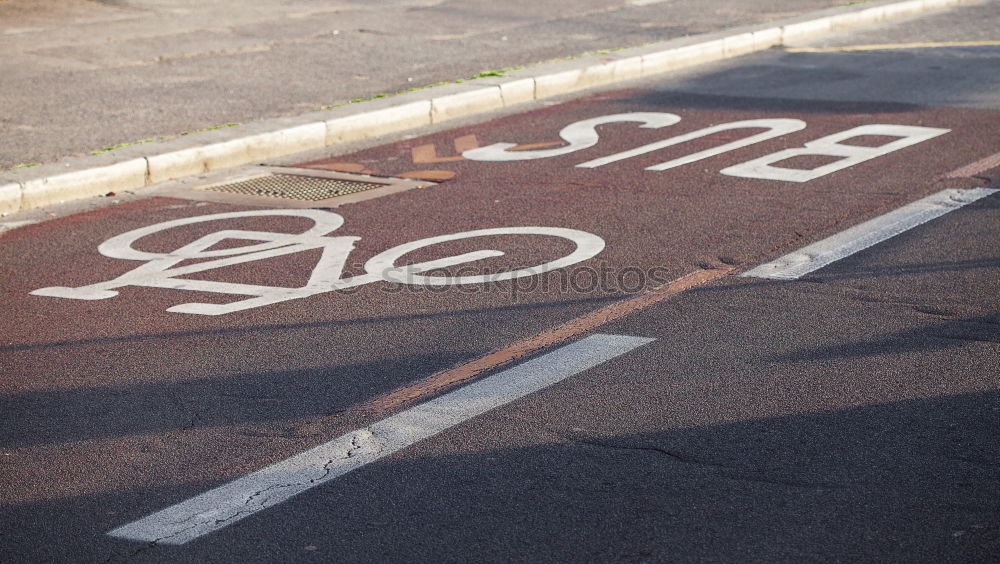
(295, 187)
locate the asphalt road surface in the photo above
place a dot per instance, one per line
(83, 75)
(278, 385)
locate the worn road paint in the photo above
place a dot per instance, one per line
(227, 504)
(864, 235)
(458, 375)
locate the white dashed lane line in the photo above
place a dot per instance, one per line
(846, 243)
(270, 486)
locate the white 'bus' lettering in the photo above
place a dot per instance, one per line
(776, 128)
(831, 146)
(580, 135)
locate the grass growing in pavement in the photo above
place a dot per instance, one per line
(141, 142)
(123, 145)
(223, 126)
(484, 74)
(119, 146)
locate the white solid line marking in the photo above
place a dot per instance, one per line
(270, 486)
(864, 235)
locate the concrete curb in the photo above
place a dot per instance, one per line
(142, 165)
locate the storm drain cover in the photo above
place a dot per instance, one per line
(295, 187)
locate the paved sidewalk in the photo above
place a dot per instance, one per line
(82, 75)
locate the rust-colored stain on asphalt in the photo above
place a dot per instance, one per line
(427, 153)
(339, 167)
(980, 166)
(453, 377)
(431, 175)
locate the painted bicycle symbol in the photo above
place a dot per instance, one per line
(163, 270)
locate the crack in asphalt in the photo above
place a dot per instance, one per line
(671, 454)
(262, 503)
(362, 442)
(729, 472)
(116, 557)
(155, 542)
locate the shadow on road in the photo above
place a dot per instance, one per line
(903, 481)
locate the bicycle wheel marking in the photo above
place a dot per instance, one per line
(163, 270)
